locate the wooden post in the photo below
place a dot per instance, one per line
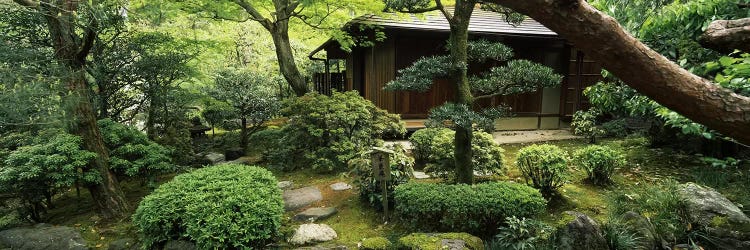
(381, 167)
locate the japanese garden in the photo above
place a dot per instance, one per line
(375, 124)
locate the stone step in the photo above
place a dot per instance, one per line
(315, 214)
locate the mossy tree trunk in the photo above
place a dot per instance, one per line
(459, 37)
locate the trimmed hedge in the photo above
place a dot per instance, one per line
(225, 206)
(546, 166)
(477, 209)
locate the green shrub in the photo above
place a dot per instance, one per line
(370, 189)
(421, 144)
(377, 243)
(477, 209)
(546, 166)
(521, 233)
(660, 203)
(584, 124)
(224, 206)
(436, 144)
(266, 141)
(616, 128)
(325, 132)
(599, 162)
(132, 154)
(434, 241)
(36, 172)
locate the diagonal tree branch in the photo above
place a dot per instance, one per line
(727, 35)
(256, 15)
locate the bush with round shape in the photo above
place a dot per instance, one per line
(599, 162)
(421, 143)
(477, 209)
(377, 243)
(544, 167)
(436, 144)
(132, 154)
(224, 206)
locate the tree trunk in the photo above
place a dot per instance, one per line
(285, 56)
(459, 37)
(243, 135)
(639, 67)
(71, 51)
(727, 35)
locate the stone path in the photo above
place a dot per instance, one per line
(340, 186)
(310, 233)
(298, 198)
(315, 214)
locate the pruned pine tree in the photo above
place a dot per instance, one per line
(516, 76)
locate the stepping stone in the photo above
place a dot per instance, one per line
(340, 186)
(315, 214)
(298, 198)
(310, 233)
(284, 185)
(421, 175)
(482, 173)
(215, 158)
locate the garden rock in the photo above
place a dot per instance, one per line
(179, 245)
(302, 197)
(340, 186)
(234, 154)
(451, 244)
(284, 185)
(582, 232)
(42, 237)
(728, 226)
(457, 241)
(421, 175)
(323, 248)
(315, 214)
(215, 158)
(643, 229)
(124, 244)
(310, 233)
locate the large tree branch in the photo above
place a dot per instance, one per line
(640, 67)
(27, 3)
(256, 15)
(727, 35)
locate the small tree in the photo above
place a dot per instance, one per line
(251, 96)
(216, 112)
(514, 77)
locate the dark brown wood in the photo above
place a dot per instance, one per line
(640, 67)
(727, 35)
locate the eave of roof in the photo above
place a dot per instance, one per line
(482, 22)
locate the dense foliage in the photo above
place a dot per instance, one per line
(546, 166)
(132, 154)
(487, 157)
(599, 162)
(224, 206)
(584, 124)
(521, 234)
(53, 162)
(370, 189)
(325, 132)
(477, 209)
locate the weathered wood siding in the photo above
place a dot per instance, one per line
(379, 67)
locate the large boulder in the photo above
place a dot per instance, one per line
(42, 237)
(215, 158)
(642, 228)
(312, 233)
(581, 232)
(124, 244)
(447, 241)
(298, 198)
(725, 223)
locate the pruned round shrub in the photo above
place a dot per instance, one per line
(436, 144)
(377, 243)
(545, 166)
(132, 154)
(424, 241)
(477, 209)
(225, 206)
(599, 162)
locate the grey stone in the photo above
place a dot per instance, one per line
(643, 229)
(42, 237)
(421, 175)
(340, 186)
(580, 233)
(311, 233)
(323, 248)
(124, 244)
(723, 221)
(483, 173)
(215, 158)
(298, 198)
(179, 245)
(452, 244)
(315, 214)
(284, 185)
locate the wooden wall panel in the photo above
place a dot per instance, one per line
(379, 70)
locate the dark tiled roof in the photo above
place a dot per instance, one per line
(483, 22)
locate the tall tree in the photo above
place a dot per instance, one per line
(72, 30)
(276, 16)
(640, 67)
(499, 81)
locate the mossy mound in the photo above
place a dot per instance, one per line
(422, 241)
(377, 243)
